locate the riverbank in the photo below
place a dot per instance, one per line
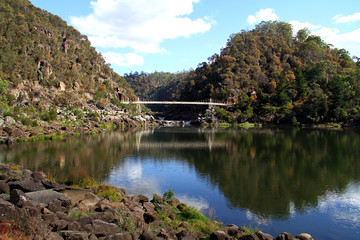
(33, 206)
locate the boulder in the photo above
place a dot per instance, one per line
(38, 176)
(4, 188)
(13, 214)
(59, 225)
(75, 194)
(45, 196)
(2, 122)
(149, 207)
(233, 230)
(304, 236)
(103, 228)
(143, 198)
(18, 198)
(149, 217)
(26, 186)
(54, 236)
(9, 121)
(264, 236)
(185, 235)
(218, 235)
(120, 236)
(285, 236)
(74, 235)
(146, 235)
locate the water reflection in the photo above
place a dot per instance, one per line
(272, 176)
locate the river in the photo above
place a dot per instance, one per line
(278, 179)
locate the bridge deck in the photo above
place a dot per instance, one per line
(177, 103)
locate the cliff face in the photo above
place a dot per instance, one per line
(45, 62)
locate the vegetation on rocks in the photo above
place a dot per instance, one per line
(52, 78)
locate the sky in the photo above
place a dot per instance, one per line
(178, 35)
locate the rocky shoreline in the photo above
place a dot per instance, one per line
(34, 207)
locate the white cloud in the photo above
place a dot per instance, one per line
(139, 24)
(124, 60)
(347, 19)
(348, 40)
(267, 14)
(299, 25)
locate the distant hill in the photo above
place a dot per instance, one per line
(44, 62)
(274, 77)
(271, 76)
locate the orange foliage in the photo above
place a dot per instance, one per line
(8, 232)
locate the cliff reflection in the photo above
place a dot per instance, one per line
(269, 172)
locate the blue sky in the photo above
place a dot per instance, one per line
(177, 35)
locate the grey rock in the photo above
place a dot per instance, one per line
(18, 198)
(304, 236)
(26, 186)
(285, 236)
(54, 236)
(9, 121)
(264, 236)
(74, 235)
(218, 235)
(120, 236)
(38, 176)
(4, 188)
(103, 228)
(2, 122)
(45, 196)
(59, 225)
(10, 212)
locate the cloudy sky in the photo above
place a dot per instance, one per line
(177, 35)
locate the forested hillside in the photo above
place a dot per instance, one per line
(44, 62)
(274, 77)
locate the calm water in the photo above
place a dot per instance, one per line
(274, 179)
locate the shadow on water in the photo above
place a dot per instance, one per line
(263, 170)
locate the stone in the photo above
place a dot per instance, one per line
(264, 236)
(59, 225)
(218, 235)
(103, 228)
(90, 200)
(59, 205)
(33, 211)
(285, 236)
(149, 206)
(38, 176)
(45, 196)
(143, 198)
(146, 235)
(54, 236)
(4, 177)
(62, 86)
(4, 188)
(26, 186)
(233, 230)
(76, 195)
(104, 216)
(50, 185)
(5, 197)
(149, 217)
(249, 237)
(74, 235)
(49, 217)
(11, 213)
(174, 202)
(304, 236)
(64, 216)
(18, 198)
(120, 236)
(85, 220)
(2, 122)
(185, 235)
(9, 121)
(74, 226)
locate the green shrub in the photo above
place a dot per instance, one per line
(169, 195)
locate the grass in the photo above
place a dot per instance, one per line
(8, 232)
(110, 192)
